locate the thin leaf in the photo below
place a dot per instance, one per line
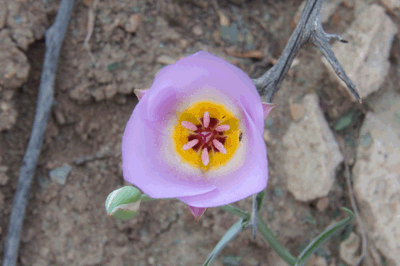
(232, 232)
(236, 211)
(319, 240)
(269, 236)
(260, 199)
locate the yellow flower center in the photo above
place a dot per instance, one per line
(206, 135)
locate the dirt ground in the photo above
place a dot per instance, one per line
(131, 41)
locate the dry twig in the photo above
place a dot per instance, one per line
(308, 30)
(90, 27)
(353, 204)
(54, 38)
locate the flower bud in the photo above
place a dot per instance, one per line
(123, 203)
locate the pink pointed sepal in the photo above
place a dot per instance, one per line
(139, 93)
(197, 212)
(267, 108)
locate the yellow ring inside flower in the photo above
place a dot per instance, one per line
(206, 125)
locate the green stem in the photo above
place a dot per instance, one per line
(236, 211)
(269, 236)
(145, 198)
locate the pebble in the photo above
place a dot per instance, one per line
(60, 174)
(230, 33)
(133, 23)
(197, 30)
(43, 181)
(322, 204)
(349, 248)
(316, 261)
(297, 111)
(266, 135)
(231, 260)
(3, 176)
(184, 43)
(166, 60)
(151, 260)
(1, 199)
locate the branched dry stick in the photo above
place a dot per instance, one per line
(54, 39)
(354, 205)
(308, 30)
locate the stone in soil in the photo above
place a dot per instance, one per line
(376, 175)
(3, 176)
(316, 261)
(365, 57)
(391, 4)
(311, 153)
(349, 249)
(60, 174)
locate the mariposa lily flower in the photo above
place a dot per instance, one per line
(196, 135)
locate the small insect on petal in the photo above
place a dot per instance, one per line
(204, 156)
(219, 146)
(206, 120)
(190, 144)
(189, 125)
(222, 128)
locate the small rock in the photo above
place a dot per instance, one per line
(60, 118)
(151, 260)
(43, 181)
(266, 135)
(231, 260)
(237, 2)
(216, 35)
(60, 174)
(297, 111)
(223, 19)
(349, 249)
(166, 60)
(197, 30)
(3, 176)
(110, 90)
(15, 66)
(312, 153)
(315, 260)
(133, 23)
(365, 58)
(1, 199)
(391, 4)
(3, 13)
(253, 262)
(184, 43)
(230, 33)
(376, 176)
(322, 204)
(8, 116)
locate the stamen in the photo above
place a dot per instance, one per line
(204, 157)
(206, 120)
(219, 146)
(189, 125)
(190, 144)
(222, 128)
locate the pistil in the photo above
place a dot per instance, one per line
(207, 136)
